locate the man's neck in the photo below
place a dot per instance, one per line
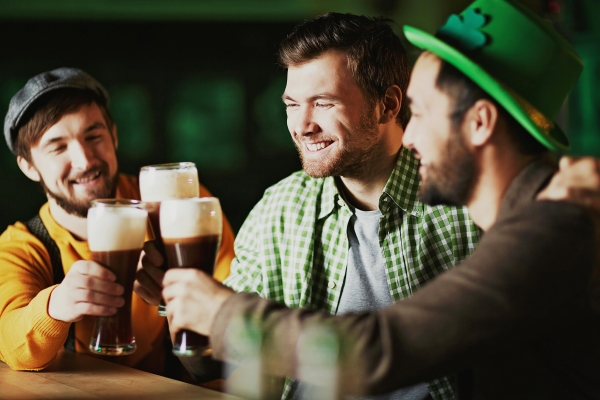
(74, 224)
(363, 190)
(495, 176)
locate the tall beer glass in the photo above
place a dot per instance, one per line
(191, 232)
(116, 233)
(166, 181)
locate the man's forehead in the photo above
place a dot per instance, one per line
(82, 118)
(327, 63)
(423, 76)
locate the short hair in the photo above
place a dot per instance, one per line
(48, 110)
(465, 93)
(376, 57)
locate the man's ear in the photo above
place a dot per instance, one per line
(28, 169)
(391, 104)
(114, 136)
(480, 122)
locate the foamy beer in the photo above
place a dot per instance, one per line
(116, 233)
(162, 182)
(191, 233)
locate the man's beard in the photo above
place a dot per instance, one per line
(348, 161)
(451, 180)
(79, 207)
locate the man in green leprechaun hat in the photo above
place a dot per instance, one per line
(513, 321)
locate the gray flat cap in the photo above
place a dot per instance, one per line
(41, 84)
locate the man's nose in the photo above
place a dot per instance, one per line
(305, 123)
(81, 156)
(408, 139)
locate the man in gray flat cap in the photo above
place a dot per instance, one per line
(63, 136)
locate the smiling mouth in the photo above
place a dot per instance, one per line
(317, 146)
(87, 179)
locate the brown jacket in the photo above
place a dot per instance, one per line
(513, 320)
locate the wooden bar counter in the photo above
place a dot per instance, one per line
(77, 376)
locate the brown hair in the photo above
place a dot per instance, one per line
(376, 56)
(48, 110)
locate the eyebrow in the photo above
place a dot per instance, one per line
(326, 96)
(57, 139)
(93, 126)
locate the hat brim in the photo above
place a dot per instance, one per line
(553, 138)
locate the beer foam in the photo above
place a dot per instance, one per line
(159, 184)
(116, 228)
(188, 218)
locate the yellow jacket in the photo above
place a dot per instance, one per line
(29, 337)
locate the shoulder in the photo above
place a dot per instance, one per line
(548, 233)
(128, 187)
(549, 218)
(18, 231)
(295, 187)
(291, 198)
(17, 243)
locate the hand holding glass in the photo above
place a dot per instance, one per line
(116, 232)
(161, 182)
(191, 232)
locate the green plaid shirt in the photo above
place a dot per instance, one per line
(293, 247)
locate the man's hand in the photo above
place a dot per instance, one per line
(577, 181)
(149, 275)
(88, 289)
(193, 299)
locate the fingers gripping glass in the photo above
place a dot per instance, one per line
(191, 232)
(116, 233)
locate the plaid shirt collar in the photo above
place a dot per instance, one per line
(402, 188)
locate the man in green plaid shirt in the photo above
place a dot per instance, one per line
(347, 76)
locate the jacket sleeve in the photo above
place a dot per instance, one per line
(29, 337)
(525, 270)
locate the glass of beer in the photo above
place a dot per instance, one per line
(116, 233)
(191, 232)
(162, 182)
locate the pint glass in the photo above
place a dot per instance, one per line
(116, 233)
(191, 232)
(161, 182)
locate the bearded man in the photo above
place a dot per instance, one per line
(59, 127)
(348, 233)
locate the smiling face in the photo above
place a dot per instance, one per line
(448, 168)
(333, 126)
(75, 160)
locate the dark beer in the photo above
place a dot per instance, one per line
(200, 253)
(191, 232)
(118, 330)
(153, 216)
(116, 232)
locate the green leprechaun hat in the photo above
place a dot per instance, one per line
(514, 56)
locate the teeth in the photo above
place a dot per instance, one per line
(88, 179)
(317, 146)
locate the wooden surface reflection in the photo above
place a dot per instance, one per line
(77, 376)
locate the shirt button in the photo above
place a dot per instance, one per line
(331, 285)
(341, 203)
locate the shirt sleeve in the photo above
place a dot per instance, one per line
(29, 337)
(526, 270)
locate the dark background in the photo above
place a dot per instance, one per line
(197, 80)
